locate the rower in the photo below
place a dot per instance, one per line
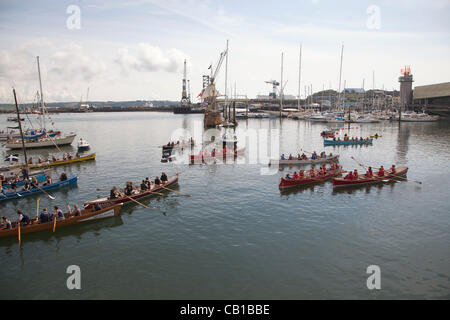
(302, 173)
(157, 181)
(44, 217)
(393, 169)
(26, 186)
(164, 178)
(304, 157)
(76, 212)
(58, 213)
(282, 157)
(288, 176)
(324, 169)
(23, 218)
(48, 181)
(290, 156)
(295, 175)
(63, 177)
(114, 193)
(381, 171)
(147, 183)
(128, 188)
(6, 224)
(143, 186)
(349, 176)
(312, 172)
(39, 159)
(355, 175)
(54, 158)
(369, 173)
(30, 161)
(34, 183)
(25, 173)
(299, 157)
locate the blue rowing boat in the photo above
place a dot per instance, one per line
(346, 143)
(40, 178)
(56, 185)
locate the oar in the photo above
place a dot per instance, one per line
(50, 196)
(54, 221)
(141, 204)
(183, 194)
(37, 208)
(18, 231)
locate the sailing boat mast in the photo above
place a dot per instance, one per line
(42, 95)
(340, 76)
(299, 77)
(226, 84)
(21, 132)
(281, 88)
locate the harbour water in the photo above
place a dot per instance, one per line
(237, 236)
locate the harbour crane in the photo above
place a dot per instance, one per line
(274, 84)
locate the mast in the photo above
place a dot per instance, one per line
(42, 95)
(340, 75)
(226, 84)
(21, 132)
(281, 88)
(299, 77)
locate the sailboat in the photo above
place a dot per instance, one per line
(42, 138)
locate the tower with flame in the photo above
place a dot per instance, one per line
(406, 80)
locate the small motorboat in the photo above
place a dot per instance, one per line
(83, 145)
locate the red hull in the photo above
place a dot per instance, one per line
(363, 180)
(288, 183)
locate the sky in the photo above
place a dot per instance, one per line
(134, 49)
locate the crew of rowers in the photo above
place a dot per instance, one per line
(314, 156)
(347, 138)
(311, 173)
(44, 217)
(183, 143)
(29, 183)
(130, 190)
(53, 158)
(354, 175)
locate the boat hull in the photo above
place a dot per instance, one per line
(42, 143)
(86, 216)
(307, 180)
(346, 143)
(304, 162)
(105, 202)
(362, 180)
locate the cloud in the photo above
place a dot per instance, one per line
(148, 58)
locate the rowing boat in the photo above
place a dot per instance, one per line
(32, 191)
(70, 220)
(219, 154)
(43, 142)
(346, 143)
(179, 146)
(40, 178)
(307, 161)
(288, 183)
(105, 201)
(52, 163)
(376, 137)
(363, 180)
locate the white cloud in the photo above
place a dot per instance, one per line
(148, 58)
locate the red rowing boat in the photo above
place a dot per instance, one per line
(307, 179)
(363, 180)
(199, 158)
(106, 202)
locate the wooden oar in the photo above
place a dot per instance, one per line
(37, 208)
(183, 194)
(18, 231)
(54, 221)
(141, 204)
(50, 196)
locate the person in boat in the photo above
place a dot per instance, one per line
(23, 219)
(148, 183)
(30, 161)
(164, 177)
(321, 171)
(157, 181)
(369, 173)
(381, 171)
(26, 186)
(282, 157)
(76, 212)
(39, 159)
(69, 156)
(349, 176)
(314, 156)
(44, 216)
(2, 179)
(312, 173)
(345, 137)
(393, 170)
(54, 159)
(58, 213)
(114, 193)
(355, 175)
(361, 139)
(301, 174)
(48, 181)
(143, 186)
(324, 167)
(6, 224)
(288, 176)
(128, 188)
(332, 167)
(323, 154)
(63, 177)
(65, 156)
(213, 152)
(77, 155)
(334, 138)
(295, 175)
(97, 207)
(13, 184)
(291, 157)
(304, 157)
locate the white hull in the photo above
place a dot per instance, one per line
(43, 143)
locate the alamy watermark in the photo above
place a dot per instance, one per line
(374, 280)
(74, 280)
(73, 22)
(373, 21)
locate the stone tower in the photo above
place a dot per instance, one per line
(406, 80)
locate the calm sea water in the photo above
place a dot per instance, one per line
(238, 237)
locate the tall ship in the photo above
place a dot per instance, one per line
(41, 138)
